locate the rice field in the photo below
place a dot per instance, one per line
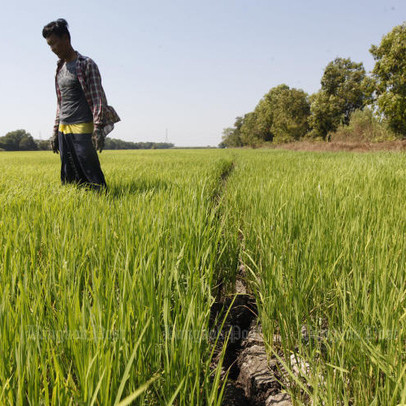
(106, 298)
(324, 247)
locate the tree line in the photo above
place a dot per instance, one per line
(21, 140)
(348, 96)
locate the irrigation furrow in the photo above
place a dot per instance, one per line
(234, 320)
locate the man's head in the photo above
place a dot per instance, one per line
(58, 37)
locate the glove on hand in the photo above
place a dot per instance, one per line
(54, 143)
(98, 140)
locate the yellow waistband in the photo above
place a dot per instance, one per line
(79, 128)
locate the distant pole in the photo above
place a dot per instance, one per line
(166, 136)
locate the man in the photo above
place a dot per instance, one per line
(83, 118)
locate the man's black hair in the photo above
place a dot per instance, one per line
(58, 27)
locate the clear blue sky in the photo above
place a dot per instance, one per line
(185, 66)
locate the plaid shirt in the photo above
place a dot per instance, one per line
(104, 116)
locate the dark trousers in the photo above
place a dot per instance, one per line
(79, 161)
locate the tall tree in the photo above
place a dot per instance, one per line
(18, 140)
(27, 143)
(232, 135)
(325, 114)
(345, 87)
(250, 134)
(281, 116)
(291, 110)
(390, 76)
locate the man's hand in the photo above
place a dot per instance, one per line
(98, 140)
(54, 143)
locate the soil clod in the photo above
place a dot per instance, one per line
(253, 379)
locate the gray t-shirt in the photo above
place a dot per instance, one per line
(74, 108)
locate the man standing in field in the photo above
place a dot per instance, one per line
(83, 118)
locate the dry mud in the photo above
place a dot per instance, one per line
(253, 377)
(335, 146)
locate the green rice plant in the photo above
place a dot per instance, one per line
(106, 297)
(323, 243)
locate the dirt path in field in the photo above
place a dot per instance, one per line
(253, 378)
(335, 146)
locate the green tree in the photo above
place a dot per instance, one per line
(348, 82)
(232, 135)
(291, 110)
(265, 112)
(27, 143)
(115, 143)
(264, 115)
(345, 87)
(249, 132)
(43, 145)
(229, 139)
(390, 75)
(18, 140)
(325, 114)
(280, 116)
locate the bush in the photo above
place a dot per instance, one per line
(364, 126)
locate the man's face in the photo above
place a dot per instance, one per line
(59, 45)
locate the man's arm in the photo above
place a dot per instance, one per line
(54, 139)
(98, 99)
(96, 92)
(104, 116)
(56, 124)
